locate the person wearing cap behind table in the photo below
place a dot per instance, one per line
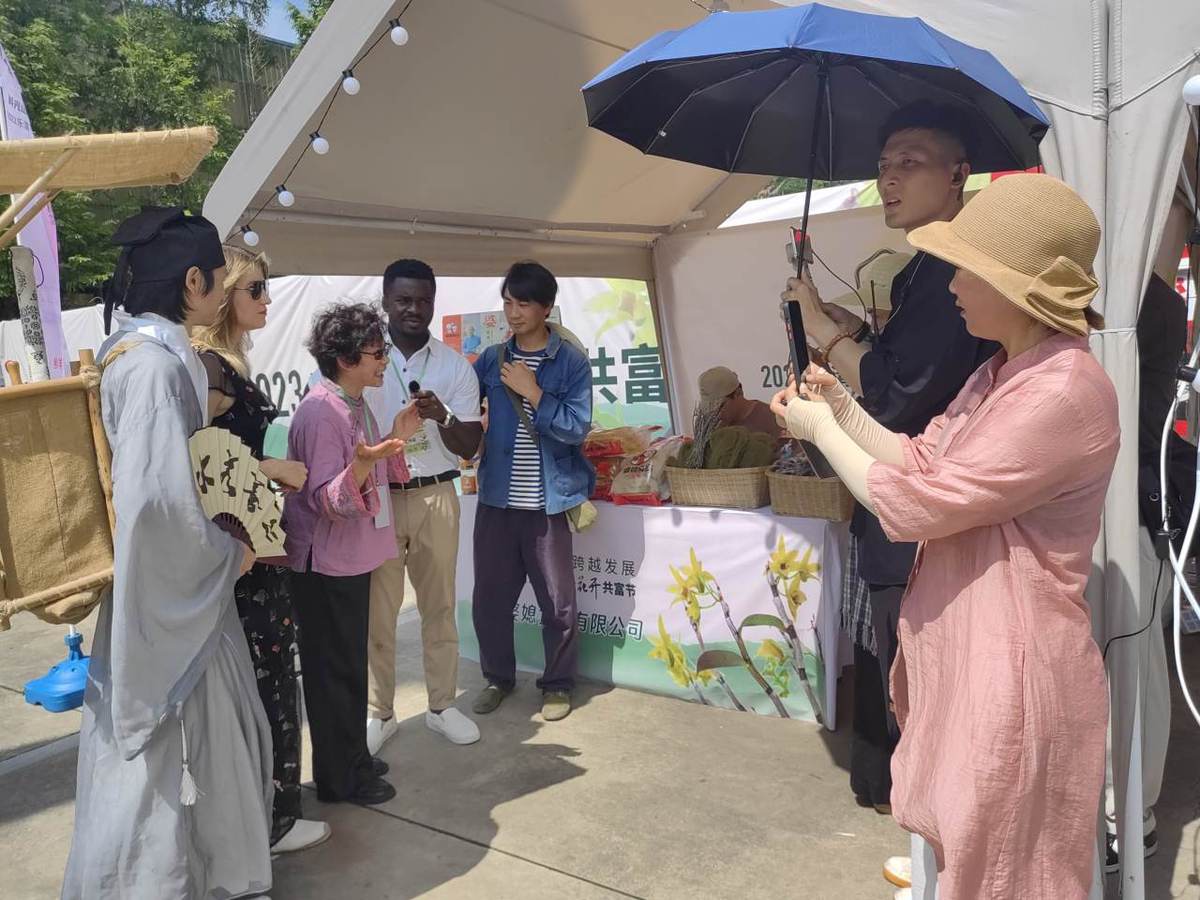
(720, 388)
(998, 684)
(174, 776)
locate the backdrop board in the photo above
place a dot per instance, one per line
(664, 592)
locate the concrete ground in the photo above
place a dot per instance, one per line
(632, 796)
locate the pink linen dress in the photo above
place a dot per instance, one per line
(998, 685)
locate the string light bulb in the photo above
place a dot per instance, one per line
(284, 196)
(350, 84)
(399, 33)
(319, 144)
(249, 236)
(1191, 91)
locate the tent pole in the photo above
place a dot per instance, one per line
(660, 333)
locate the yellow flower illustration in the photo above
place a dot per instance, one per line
(768, 649)
(697, 573)
(684, 589)
(794, 595)
(806, 569)
(783, 561)
(668, 650)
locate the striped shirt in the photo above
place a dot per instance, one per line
(525, 489)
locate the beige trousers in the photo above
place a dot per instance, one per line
(426, 523)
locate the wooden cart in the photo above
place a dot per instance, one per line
(56, 513)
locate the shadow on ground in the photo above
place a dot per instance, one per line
(442, 822)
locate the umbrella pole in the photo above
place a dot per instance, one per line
(802, 258)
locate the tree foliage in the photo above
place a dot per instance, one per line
(305, 21)
(90, 66)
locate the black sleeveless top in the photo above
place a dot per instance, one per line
(251, 412)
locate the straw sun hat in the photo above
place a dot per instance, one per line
(1034, 240)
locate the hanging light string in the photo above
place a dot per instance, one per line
(281, 194)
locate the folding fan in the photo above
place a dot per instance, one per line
(232, 487)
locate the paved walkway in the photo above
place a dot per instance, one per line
(632, 796)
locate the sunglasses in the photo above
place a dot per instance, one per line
(379, 355)
(256, 289)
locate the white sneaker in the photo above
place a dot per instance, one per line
(898, 871)
(379, 732)
(303, 834)
(903, 894)
(453, 725)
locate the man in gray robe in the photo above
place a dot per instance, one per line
(174, 780)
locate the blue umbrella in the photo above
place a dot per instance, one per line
(802, 91)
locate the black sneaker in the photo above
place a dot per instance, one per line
(378, 767)
(373, 793)
(1112, 855)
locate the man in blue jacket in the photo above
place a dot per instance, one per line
(539, 396)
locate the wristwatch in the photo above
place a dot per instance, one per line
(448, 421)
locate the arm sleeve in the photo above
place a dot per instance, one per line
(464, 395)
(174, 570)
(218, 377)
(331, 472)
(879, 442)
(1022, 453)
(567, 415)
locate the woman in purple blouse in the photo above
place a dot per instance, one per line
(339, 530)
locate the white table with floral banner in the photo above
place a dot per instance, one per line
(730, 608)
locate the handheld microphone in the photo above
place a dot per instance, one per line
(414, 387)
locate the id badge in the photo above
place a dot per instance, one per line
(383, 518)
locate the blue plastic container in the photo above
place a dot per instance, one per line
(62, 687)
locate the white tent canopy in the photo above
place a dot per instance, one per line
(469, 147)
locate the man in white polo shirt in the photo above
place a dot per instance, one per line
(422, 370)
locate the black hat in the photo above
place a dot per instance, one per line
(160, 244)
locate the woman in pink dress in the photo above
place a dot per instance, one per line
(998, 686)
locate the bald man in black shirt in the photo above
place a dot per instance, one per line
(905, 375)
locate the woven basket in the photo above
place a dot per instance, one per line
(730, 488)
(813, 498)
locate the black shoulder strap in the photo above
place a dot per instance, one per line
(514, 398)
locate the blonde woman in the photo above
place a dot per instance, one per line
(263, 599)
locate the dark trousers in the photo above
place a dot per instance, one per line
(334, 613)
(264, 604)
(875, 730)
(512, 546)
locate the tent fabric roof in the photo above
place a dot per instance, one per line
(476, 126)
(101, 161)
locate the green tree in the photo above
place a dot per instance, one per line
(305, 21)
(119, 65)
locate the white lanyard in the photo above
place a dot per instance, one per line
(419, 379)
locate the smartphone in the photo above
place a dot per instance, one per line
(799, 254)
(793, 321)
